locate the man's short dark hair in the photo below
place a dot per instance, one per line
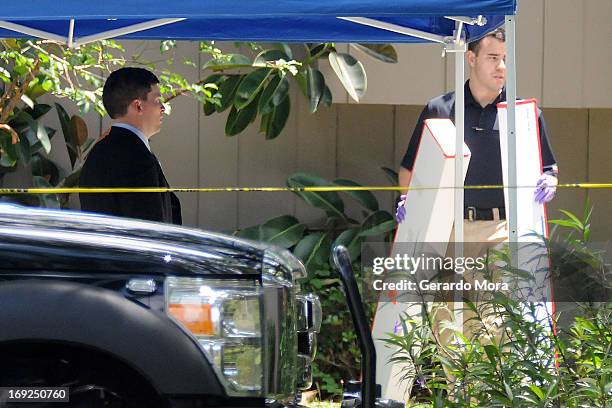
(123, 86)
(499, 33)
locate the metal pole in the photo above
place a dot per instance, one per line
(459, 125)
(71, 33)
(511, 143)
(460, 130)
(370, 22)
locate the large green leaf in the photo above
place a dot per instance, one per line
(64, 119)
(492, 353)
(265, 122)
(39, 110)
(38, 133)
(24, 150)
(351, 73)
(284, 231)
(563, 223)
(20, 119)
(302, 82)
(365, 198)
(537, 391)
(8, 150)
(382, 52)
(250, 86)
(227, 90)
(238, 120)
(46, 200)
(208, 108)
(317, 49)
(314, 250)
(378, 223)
(232, 61)
(27, 100)
(79, 130)
(270, 56)
(253, 233)
(274, 122)
(5, 75)
(88, 145)
(30, 135)
(578, 224)
(326, 99)
(391, 175)
(351, 239)
(329, 201)
(316, 87)
(275, 92)
(71, 180)
(216, 79)
(50, 132)
(43, 167)
(36, 89)
(284, 47)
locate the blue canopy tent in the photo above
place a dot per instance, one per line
(77, 22)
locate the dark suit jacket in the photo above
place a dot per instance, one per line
(121, 159)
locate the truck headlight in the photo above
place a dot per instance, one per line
(225, 317)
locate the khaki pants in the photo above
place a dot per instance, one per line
(481, 235)
(495, 231)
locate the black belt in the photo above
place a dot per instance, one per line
(483, 214)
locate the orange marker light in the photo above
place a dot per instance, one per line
(197, 318)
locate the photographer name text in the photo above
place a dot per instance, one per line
(427, 285)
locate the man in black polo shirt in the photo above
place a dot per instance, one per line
(484, 89)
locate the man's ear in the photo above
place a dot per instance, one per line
(471, 57)
(137, 105)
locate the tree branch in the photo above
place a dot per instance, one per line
(183, 91)
(7, 95)
(13, 133)
(14, 100)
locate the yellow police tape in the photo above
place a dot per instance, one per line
(318, 189)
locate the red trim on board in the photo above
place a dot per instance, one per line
(518, 102)
(416, 156)
(436, 140)
(546, 231)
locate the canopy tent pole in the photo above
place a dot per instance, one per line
(69, 40)
(479, 21)
(71, 33)
(459, 126)
(511, 142)
(126, 30)
(32, 31)
(459, 50)
(370, 22)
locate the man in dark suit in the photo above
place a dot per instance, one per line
(123, 158)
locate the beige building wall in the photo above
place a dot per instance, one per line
(564, 60)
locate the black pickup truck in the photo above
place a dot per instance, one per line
(128, 313)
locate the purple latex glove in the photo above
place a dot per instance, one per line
(546, 188)
(400, 213)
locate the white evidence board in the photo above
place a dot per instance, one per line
(532, 223)
(429, 218)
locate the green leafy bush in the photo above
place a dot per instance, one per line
(338, 357)
(535, 360)
(31, 149)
